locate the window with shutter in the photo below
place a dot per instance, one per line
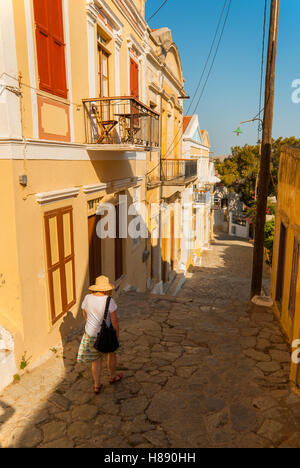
(134, 79)
(50, 46)
(60, 261)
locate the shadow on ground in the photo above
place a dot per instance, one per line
(205, 369)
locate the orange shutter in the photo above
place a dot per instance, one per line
(134, 79)
(50, 46)
(43, 43)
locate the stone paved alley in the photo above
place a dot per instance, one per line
(205, 369)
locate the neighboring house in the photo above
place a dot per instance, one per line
(229, 208)
(286, 254)
(75, 133)
(196, 147)
(169, 174)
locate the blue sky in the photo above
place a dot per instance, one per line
(232, 93)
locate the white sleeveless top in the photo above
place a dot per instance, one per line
(94, 307)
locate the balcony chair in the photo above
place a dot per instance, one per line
(105, 126)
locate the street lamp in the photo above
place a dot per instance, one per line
(238, 131)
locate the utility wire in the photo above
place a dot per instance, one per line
(199, 83)
(215, 56)
(156, 11)
(30, 87)
(208, 57)
(172, 146)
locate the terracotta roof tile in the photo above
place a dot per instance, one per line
(186, 121)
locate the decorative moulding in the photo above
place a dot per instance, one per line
(155, 88)
(104, 9)
(56, 195)
(95, 188)
(92, 13)
(117, 184)
(133, 43)
(121, 183)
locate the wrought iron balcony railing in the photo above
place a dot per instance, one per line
(121, 121)
(202, 197)
(175, 171)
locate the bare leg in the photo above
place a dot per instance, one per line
(96, 370)
(112, 364)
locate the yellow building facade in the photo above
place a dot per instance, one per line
(75, 132)
(91, 116)
(286, 256)
(167, 172)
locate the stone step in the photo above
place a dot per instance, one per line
(177, 285)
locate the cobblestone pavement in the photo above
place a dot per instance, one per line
(205, 369)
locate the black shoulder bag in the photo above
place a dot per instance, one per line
(107, 341)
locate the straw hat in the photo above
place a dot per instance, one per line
(102, 285)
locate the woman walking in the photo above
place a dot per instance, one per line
(93, 308)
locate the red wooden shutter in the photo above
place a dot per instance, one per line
(55, 20)
(58, 67)
(50, 46)
(134, 79)
(41, 13)
(59, 84)
(43, 43)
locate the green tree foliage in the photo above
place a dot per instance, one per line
(269, 240)
(240, 171)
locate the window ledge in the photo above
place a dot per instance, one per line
(49, 197)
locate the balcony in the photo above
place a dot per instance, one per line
(178, 171)
(201, 197)
(121, 123)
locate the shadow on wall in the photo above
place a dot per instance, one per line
(6, 412)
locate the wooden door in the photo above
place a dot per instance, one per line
(164, 263)
(95, 259)
(119, 262)
(281, 264)
(172, 241)
(294, 280)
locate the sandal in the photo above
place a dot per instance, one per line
(97, 390)
(117, 378)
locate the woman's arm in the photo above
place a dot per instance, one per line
(115, 323)
(84, 314)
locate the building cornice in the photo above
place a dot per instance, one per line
(92, 13)
(173, 78)
(199, 145)
(132, 15)
(18, 149)
(155, 88)
(102, 7)
(88, 189)
(133, 43)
